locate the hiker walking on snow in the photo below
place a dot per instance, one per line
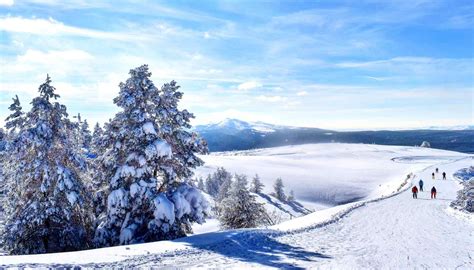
(436, 170)
(444, 175)
(433, 193)
(415, 191)
(432, 176)
(421, 185)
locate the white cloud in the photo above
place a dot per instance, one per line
(55, 62)
(6, 2)
(35, 56)
(249, 85)
(302, 93)
(51, 27)
(271, 99)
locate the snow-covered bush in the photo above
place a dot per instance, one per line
(465, 197)
(425, 144)
(150, 154)
(240, 208)
(47, 201)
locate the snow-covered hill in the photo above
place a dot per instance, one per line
(384, 228)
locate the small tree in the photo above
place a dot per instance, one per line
(257, 186)
(240, 208)
(279, 191)
(291, 197)
(214, 181)
(200, 184)
(86, 134)
(97, 135)
(224, 189)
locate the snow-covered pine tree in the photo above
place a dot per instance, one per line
(240, 208)
(291, 197)
(210, 188)
(200, 184)
(150, 155)
(15, 120)
(224, 189)
(46, 211)
(96, 141)
(214, 181)
(257, 186)
(278, 189)
(86, 135)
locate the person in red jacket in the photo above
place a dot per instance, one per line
(433, 193)
(414, 190)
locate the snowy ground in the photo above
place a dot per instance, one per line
(394, 232)
(329, 174)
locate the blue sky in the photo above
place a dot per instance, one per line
(332, 64)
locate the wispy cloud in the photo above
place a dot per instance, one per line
(271, 99)
(6, 2)
(249, 85)
(52, 27)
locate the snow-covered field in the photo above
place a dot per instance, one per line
(329, 174)
(394, 232)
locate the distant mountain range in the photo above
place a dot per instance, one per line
(234, 134)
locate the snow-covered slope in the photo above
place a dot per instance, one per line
(393, 232)
(328, 174)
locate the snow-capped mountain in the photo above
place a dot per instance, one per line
(234, 126)
(234, 134)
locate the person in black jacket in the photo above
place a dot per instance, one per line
(433, 193)
(444, 175)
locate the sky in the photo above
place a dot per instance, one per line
(330, 64)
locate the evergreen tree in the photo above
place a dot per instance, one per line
(278, 188)
(96, 140)
(150, 155)
(209, 186)
(200, 185)
(224, 189)
(291, 197)
(215, 181)
(86, 135)
(240, 208)
(47, 201)
(257, 186)
(15, 120)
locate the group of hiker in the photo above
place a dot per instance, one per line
(414, 190)
(433, 174)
